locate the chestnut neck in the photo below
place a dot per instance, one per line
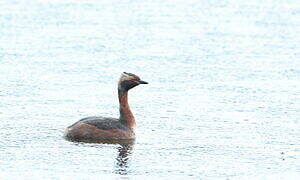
(126, 116)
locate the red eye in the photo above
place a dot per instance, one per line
(135, 80)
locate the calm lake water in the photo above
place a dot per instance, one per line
(223, 100)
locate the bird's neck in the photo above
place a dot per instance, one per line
(126, 116)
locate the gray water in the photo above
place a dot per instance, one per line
(223, 100)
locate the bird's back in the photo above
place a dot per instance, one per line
(104, 123)
(98, 128)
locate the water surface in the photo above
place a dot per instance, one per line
(223, 99)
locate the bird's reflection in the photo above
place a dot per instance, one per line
(125, 151)
(125, 148)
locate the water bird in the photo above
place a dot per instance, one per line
(98, 128)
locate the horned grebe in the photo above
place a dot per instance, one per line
(104, 128)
